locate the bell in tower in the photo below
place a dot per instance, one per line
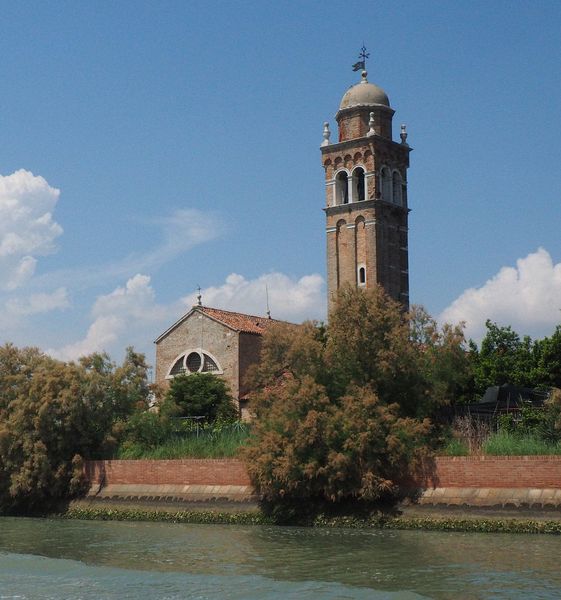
(366, 194)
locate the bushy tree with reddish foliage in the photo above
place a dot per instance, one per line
(53, 415)
(342, 415)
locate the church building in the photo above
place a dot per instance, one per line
(210, 340)
(367, 212)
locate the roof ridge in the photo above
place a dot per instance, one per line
(236, 312)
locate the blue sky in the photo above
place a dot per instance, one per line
(183, 138)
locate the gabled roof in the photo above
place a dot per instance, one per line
(234, 320)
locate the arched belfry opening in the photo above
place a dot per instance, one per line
(359, 189)
(366, 199)
(342, 188)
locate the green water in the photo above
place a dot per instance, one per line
(43, 559)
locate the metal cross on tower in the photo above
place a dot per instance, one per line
(361, 64)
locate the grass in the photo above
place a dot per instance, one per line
(503, 443)
(456, 447)
(208, 444)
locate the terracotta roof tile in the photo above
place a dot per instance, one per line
(239, 321)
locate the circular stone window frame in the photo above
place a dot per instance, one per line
(201, 352)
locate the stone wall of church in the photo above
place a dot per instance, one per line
(250, 347)
(199, 332)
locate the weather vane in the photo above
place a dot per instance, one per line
(363, 55)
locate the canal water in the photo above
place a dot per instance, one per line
(56, 560)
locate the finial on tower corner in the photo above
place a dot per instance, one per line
(371, 124)
(403, 134)
(326, 134)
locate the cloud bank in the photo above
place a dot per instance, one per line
(27, 228)
(527, 297)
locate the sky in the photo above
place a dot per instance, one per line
(151, 148)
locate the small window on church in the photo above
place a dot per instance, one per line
(342, 188)
(208, 364)
(362, 276)
(358, 181)
(178, 367)
(194, 362)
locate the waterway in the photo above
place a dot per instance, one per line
(63, 560)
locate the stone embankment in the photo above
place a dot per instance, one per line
(484, 482)
(508, 482)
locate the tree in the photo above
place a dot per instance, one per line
(505, 358)
(548, 360)
(53, 415)
(341, 411)
(368, 343)
(445, 364)
(200, 395)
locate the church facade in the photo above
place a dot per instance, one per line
(366, 196)
(210, 340)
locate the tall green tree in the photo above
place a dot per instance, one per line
(505, 358)
(548, 360)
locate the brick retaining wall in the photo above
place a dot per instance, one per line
(449, 471)
(497, 472)
(211, 471)
(471, 481)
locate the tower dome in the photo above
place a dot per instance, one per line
(364, 94)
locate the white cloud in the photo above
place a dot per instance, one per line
(27, 229)
(127, 316)
(38, 303)
(289, 299)
(527, 297)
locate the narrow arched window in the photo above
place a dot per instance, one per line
(342, 188)
(386, 178)
(358, 182)
(396, 188)
(362, 276)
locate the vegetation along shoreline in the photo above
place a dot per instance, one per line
(475, 524)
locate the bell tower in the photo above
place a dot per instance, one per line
(366, 194)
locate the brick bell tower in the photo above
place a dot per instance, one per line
(366, 194)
